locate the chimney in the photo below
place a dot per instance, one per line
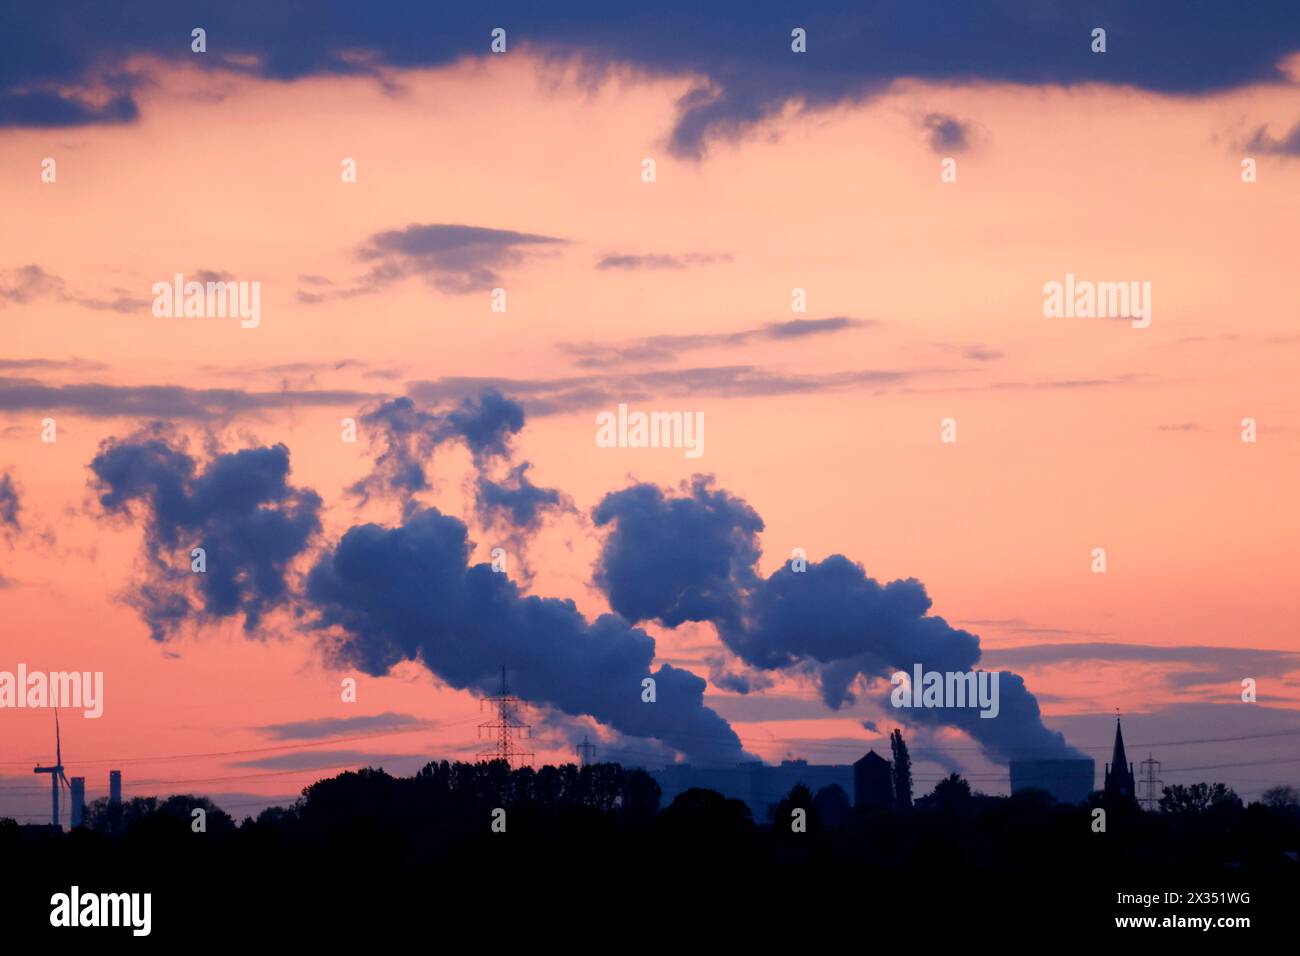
(114, 787)
(78, 801)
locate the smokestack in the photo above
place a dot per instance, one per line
(114, 787)
(78, 800)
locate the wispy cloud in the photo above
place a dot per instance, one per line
(1204, 664)
(30, 283)
(50, 365)
(329, 760)
(323, 727)
(162, 401)
(1018, 625)
(455, 259)
(1287, 145)
(659, 261)
(666, 348)
(580, 393)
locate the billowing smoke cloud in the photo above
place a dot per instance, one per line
(10, 524)
(727, 677)
(387, 595)
(406, 437)
(678, 559)
(240, 509)
(516, 499)
(565, 732)
(692, 556)
(9, 505)
(486, 422)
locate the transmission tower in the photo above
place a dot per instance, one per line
(505, 727)
(1150, 767)
(586, 752)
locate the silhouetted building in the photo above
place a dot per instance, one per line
(1119, 784)
(873, 784)
(1068, 781)
(78, 786)
(758, 784)
(115, 787)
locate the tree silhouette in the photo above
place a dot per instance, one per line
(799, 798)
(1281, 798)
(833, 807)
(594, 818)
(1198, 798)
(706, 813)
(641, 795)
(952, 793)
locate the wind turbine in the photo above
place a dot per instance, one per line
(57, 777)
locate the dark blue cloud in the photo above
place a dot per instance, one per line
(516, 499)
(804, 328)
(740, 49)
(9, 504)
(49, 110)
(485, 422)
(947, 134)
(240, 508)
(1288, 145)
(693, 557)
(386, 595)
(738, 682)
(406, 436)
(453, 258)
(676, 559)
(10, 508)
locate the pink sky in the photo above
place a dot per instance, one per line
(1072, 433)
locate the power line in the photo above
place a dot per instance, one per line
(256, 750)
(659, 732)
(501, 725)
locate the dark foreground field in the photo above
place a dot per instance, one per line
(388, 859)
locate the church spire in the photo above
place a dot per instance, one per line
(1118, 758)
(1119, 772)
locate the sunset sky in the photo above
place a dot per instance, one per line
(924, 302)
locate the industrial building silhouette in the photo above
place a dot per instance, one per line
(868, 782)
